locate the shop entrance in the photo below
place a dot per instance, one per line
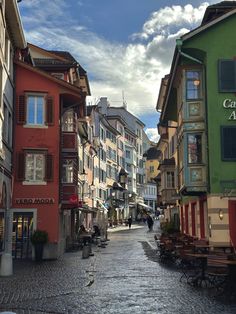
(21, 232)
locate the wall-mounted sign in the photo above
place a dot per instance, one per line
(230, 104)
(37, 200)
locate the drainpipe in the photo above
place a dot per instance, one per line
(179, 43)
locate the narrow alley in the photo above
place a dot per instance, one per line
(124, 277)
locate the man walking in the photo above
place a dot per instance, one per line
(130, 222)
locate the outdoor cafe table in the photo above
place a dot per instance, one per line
(230, 284)
(201, 277)
(201, 248)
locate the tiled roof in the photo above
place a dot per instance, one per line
(46, 62)
(64, 54)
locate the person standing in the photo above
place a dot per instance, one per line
(130, 222)
(150, 222)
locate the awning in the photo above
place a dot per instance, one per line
(145, 206)
(87, 209)
(102, 207)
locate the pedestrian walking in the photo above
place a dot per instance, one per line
(150, 222)
(130, 222)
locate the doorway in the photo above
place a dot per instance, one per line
(21, 232)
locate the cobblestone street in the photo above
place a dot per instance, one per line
(125, 277)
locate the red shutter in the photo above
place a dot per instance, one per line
(21, 166)
(49, 111)
(21, 110)
(48, 167)
(75, 171)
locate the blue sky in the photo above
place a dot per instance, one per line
(125, 46)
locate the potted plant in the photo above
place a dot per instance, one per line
(39, 238)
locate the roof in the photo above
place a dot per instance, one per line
(51, 62)
(187, 36)
(217, 10)
(73, 88)
(64, 54)
(152, 153)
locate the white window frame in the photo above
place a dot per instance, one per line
(27, 177)
(68, 121)
(36, 96)
(68, 171)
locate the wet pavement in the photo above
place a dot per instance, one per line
(125, 277)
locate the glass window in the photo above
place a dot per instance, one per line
(67, 171)
(170, 179)
(35, 110)
(151, 169)
(194, 148)
(228, 147)
(68, 121)
(35, 165)
(127, 153)
(193, 85)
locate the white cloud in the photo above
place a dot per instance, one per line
(152, 134)
(135, 68)
(166, 19)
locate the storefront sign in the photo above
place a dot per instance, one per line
(230, 104)
(27, 201)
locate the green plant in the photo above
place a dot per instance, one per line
(39, 236)
(168, 228)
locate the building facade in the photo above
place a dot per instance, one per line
(49, 102)
(199, 103)
(11, 39)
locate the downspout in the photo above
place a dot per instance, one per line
(179, 43)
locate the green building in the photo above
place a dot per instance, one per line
(200, 99)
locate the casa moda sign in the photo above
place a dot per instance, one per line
(28, 201)
(230, 104)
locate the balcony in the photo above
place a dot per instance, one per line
(168, 196)
(69, 142)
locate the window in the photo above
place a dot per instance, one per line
(193, 85)
(67, 171)
(35, 165)
(7, 126)
(127, 154)
(68, 124)
(128, 167)
(194, 148)
(228, 147)
(58, 75)
(35, 110)
(170, 179)
(227, 75)
(151, 169)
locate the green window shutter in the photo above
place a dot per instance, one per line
(227, 75)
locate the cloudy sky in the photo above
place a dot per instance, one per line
(126, 46)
